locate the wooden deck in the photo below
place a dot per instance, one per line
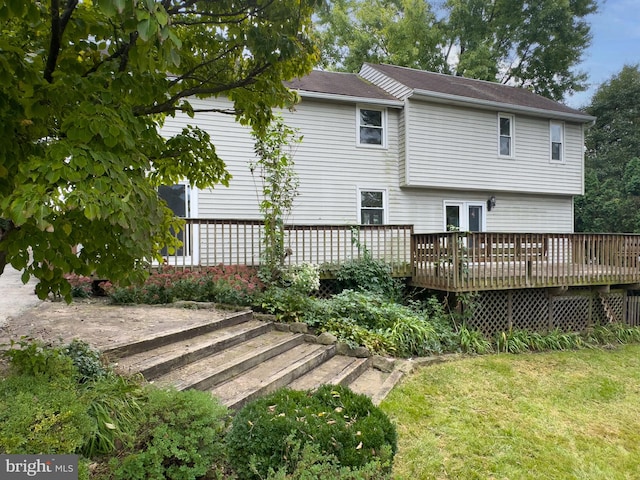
(451, 261)
(464, 261)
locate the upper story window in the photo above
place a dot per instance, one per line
(372, 207)
(557, 141)
(505, 135)
(371, 127)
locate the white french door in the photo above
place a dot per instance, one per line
(464, 216)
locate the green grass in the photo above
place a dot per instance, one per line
(566, 415)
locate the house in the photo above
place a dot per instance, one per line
(426, 164)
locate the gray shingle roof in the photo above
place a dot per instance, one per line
(335, 83)
(473, 89)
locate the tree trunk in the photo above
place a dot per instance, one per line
(5, 227)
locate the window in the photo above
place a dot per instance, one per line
(557, 141)
(372, 207)
(371, 127)
(505, 135)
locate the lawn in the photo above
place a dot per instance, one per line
(567, 415)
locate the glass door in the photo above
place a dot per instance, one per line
(464, 216)
(177, 199)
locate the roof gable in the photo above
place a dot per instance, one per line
(422, 82)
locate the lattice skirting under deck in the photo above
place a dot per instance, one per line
(540, 310)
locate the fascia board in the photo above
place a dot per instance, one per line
(350, 99)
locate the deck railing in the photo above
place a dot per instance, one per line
(239, 242)
(470, 261)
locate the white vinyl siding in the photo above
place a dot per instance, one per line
(333, 170)
(425, 209)
(455, 147)
(329, 164)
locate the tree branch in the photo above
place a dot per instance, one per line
(58, 25)
(170, 105)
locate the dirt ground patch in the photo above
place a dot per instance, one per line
(103, 325)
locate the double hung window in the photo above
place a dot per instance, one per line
(371, 127)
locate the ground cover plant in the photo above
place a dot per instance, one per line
(573, 414)
(56, 400)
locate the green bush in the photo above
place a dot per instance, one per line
(373, 321)
(39, 414)
(36, 358)
(287, 304)
(265, 433)
(180, 438)
(87, 360)
(311, 464)
(369, 275)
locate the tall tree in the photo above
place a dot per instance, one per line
(535, 45)
(84, 89)
(612, 160)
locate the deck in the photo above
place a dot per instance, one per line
(451, 261)
(465, 261)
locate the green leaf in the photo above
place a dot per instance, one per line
(144, 29)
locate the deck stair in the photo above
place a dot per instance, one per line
(240, 358)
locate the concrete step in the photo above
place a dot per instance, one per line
(338, 370)
(275, 373)
(215, 369)
(160, 361)
(166, 338)
(376, 384)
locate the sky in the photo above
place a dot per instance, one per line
(616, 42)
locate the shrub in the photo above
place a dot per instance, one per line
(37, 359)
(237, 285)
(180, 437)
(370, 275)
(86, 360)
(311, 464)
(81, 286)
(265, 433)
(287, 304)
(40, 414)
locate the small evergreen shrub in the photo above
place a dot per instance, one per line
(180, 438)
(265, 433)
(311, 464)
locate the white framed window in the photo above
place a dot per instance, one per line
(372, 206)
(506, 137)
(371, 127)
(464, 216)
(556, 136)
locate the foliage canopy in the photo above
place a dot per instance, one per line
(612, 160)
(84, 89)
(534, 45)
